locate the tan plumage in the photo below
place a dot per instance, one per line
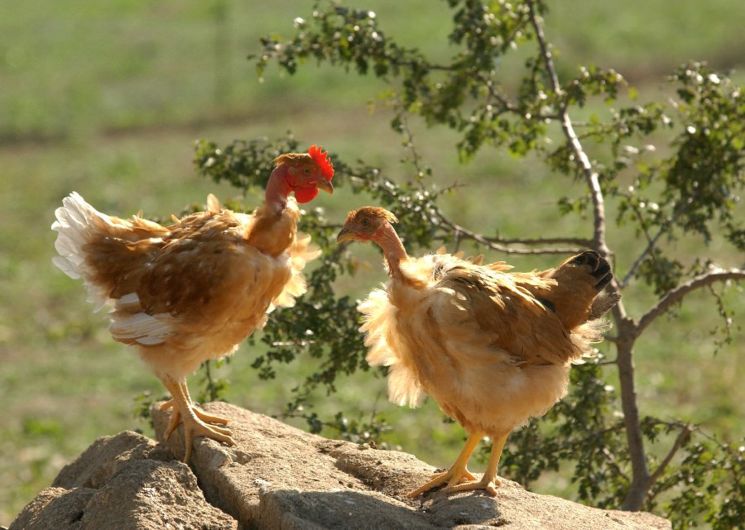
(201, 288)
(193, 290)
(492, 347)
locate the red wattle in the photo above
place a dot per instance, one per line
(304, 195)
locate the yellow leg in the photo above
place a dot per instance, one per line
(174, 420)
(176, 415)
(457, 472)
(193, 425)
(201, 414)
(488, 482)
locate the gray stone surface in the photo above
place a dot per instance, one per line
(279, 477)
(123, 482)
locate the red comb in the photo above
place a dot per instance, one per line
(321, 158)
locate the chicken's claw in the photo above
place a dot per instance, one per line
(457, 473)
(490, 486)
(452, 476)
(175, 419)
(193, 427)
(209, 418)
(194, 420)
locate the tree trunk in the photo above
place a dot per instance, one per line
(640, 473)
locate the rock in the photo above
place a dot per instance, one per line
(281, 477)
(278, 476)
(54, 508)
(102, 460)
(123, 482)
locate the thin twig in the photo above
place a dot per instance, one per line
(676, 295)
(580, 242)
(331, 226)
(606, 363)
(416, 158)
(457, 240)
(496, 96)
(499, 247)
(613, 462)
(412, 64)
(683, 436)
(651, 242)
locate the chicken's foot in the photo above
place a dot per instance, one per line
(200, 413)
(175, 419)
(193, 419)
(209, 418)
(457, 473)
(489, 481)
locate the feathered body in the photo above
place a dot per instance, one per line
(191, 291)
(492, 347)
(475, 338)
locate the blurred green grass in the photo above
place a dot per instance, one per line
(107, 98)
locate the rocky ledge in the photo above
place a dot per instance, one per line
(278, 476)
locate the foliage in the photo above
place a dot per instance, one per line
(688, 187)
(322, 324)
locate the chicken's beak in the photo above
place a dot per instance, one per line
(345, 235)
(325, 185)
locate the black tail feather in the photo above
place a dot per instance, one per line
(598, 265)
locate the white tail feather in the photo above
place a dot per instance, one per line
(142, 328)
(74, 226)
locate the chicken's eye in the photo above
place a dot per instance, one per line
(365, 222)
(306, 170)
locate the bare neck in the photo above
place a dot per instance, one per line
(274, 226)
(393, 250)
(277, 190)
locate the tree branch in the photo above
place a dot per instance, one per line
(578, 241)
(637, 263)
(591, 176)
(495, 244)
(496, 96)
(638, 487)
(676, 295)
(416, 158)
(682, 438)
(625, 343)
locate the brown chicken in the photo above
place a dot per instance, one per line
(493, 348)
(193, 290)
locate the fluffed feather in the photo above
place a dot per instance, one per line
(190, 291)
(475, 338)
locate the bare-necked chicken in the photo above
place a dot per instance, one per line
(492, 347)
(191, 291)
